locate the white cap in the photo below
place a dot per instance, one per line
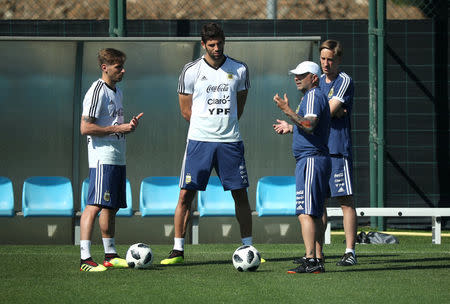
(306, 67)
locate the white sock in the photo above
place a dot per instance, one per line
(350, 250)
(178, 244)
(85, 248)
(247, 241)
(110, 245)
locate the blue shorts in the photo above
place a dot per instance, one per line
(341, 176)
(107, 186)
(227, 158)
(311, 177)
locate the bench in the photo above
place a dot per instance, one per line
(275, 196)
(47, 196)
(434, 213)
(214, 201)
(52, 196)
(159, 195)
(6, 197)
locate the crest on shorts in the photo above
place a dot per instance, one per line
(330, 94)
(188, 178)
(106, 196)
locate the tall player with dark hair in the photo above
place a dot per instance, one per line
(103, 122)
(338, 87)
(212, 93)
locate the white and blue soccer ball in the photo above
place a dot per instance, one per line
(246, 258)
(139, 256)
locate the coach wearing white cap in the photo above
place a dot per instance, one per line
(310, 128)
(307, 67)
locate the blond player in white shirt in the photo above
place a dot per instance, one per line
(103, 123)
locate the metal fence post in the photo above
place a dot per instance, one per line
(121, 17)
(271, 9)
(77, 105)
(381, 17)
(117, 18)
(112, 18)
(372, 108)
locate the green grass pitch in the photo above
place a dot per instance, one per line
(414, 271)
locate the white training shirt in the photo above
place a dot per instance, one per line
(214, 115)
(105, 105)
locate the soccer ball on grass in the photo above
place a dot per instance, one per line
(139, 256)
(246, 258)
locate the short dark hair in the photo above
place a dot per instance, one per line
(334, 46)
(211, 31)
(110, 56)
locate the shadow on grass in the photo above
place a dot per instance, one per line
(416, 267)
(424, 260)
(197, 263)
(413, 260)
(366, 259)
(219, 262)
(395, 264)
(329, 258)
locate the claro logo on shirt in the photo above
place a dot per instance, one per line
(224, 100)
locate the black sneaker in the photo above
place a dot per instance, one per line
(302, 260)
(175, 257)
(321, 263)
(348, 259)
(299, 260)
(308, 266)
